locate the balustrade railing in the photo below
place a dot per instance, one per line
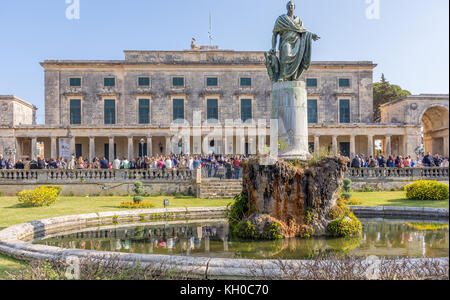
(174, 175)
(94, 176)
(393, 173)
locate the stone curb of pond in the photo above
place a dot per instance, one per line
(400, 212)
(12, 244)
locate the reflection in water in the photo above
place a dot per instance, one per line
(384, 238)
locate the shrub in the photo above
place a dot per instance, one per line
(134, 205)
(347, 187)
(427, 190)
(354, 201)
(56, 187)
(367, 189)
(345, 223)
(345, 226)
(2, 193)
(139, 191)
(346, 196)
(238, 211)
(42, 196)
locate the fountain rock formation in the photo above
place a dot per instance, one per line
(298, 198)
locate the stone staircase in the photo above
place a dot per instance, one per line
(219, 189)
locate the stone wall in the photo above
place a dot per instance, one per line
(106, 189)
(195, 67)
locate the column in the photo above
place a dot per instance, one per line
(317, 144)
(53, 151)
(149, 146)
(130, 148)
(72, 147)
(168, 145)
(388, 145)
(205, 146)
(111, 149)
(33, 148)
(446, 146)
(91, 148)
(370, 145)
(335, 145)
(352, 146)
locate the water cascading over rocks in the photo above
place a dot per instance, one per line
(290, 200)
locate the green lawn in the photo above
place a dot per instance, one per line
(395, 199)
(11, 213)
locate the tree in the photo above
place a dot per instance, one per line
(384, 92)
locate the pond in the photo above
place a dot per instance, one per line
(381, 237)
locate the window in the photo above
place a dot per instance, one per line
(110, 112)
(144, 81)
(344, 82)
(311, 147)
(75, 82)
(212, 82)
(311, 82)
(212, 109)
(144, 111)
(178, 81)
(312, 111)
(178, 110)
(110, 81)
(75, 112)
(106, 148)
(246, 109)
(344, 111)
(344, 149)
(78, 150)
(246, 82)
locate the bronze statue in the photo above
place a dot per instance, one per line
(294, 49)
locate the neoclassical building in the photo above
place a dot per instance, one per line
(219, 99)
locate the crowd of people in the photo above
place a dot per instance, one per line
(359, 161)
(226, 166)
(215, 165)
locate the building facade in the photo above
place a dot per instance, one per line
(199, 101)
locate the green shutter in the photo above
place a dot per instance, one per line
(110, 81)
(246, 81)
(344, 82)
(75, 112)
(75, 82)
(212, 81)
(246, 110)
(212, 109)
(110, 112)
(144, 111)
(312, 111)
(178, 81)
(144, 81)
(344, 111)
(178, 110)
(311, 82)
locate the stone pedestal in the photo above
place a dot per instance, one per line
(289, 106)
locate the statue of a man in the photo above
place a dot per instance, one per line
(295, 47)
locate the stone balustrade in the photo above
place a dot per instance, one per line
(398, 173)
(94, 176)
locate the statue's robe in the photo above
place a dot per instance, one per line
(295, 47)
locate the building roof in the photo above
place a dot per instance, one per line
(194, 57)
(17, 99)
(418, 97)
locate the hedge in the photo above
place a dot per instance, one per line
(427, 190)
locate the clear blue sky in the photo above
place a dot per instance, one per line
(409, 42)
